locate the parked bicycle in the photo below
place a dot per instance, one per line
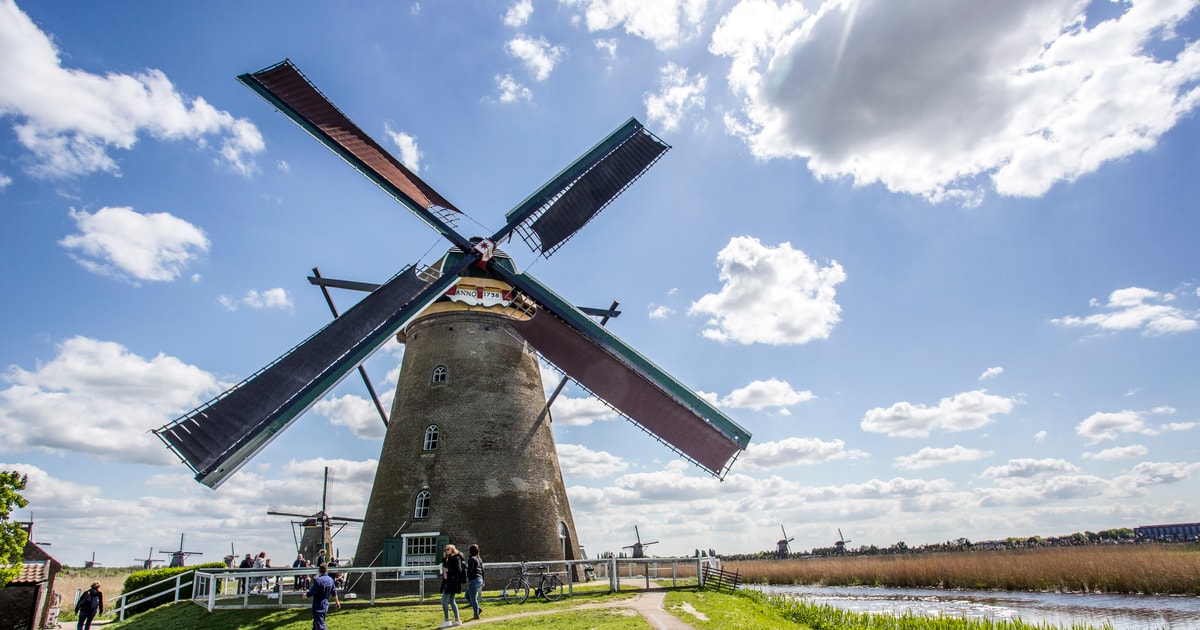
(549, 586)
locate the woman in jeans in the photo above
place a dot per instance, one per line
(474, 578)
(454, 573)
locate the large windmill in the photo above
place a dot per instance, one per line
(468, 456)
(317, 530)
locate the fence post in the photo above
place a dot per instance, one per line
(700, 571)
(212, 595)
(178, 579)
(122, 615)
(614, 578)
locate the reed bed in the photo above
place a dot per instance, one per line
(1135, 569)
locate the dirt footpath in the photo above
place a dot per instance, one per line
(647, 603)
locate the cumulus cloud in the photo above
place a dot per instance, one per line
(930, 457)
(121, 243)
(1118, 452)
(98, 398)
(961, 412)
(580, 412)
(1030, 468)
(661, 312)
(410, 154)
(772, 295)
(355, 413)
(607, 47)
(795, 451)
(759, 395)
(1128, 309)
(71, 120)
(1102, 425)
(677, 93)
(583, 462)
(518, 14)
(665, 23)
(258, 300)
(5, 180)
(1017, 95)
(510, 90)
(538, 55)
(991, 372)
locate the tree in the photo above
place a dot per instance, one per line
(12, 535)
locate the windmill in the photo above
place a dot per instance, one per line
(639, 546)
(840, 545)
(317, 530)
(468, 455)
(783, 546)
(91, 564)
(178, 557)
(148, 561)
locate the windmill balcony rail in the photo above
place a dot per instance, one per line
(213, 589)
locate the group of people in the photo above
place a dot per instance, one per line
(261, 561)
(458, 573)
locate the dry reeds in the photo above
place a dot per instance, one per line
(1145, 569)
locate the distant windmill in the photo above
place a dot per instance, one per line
(178, 557)
(469, 402)
(148, 561)
(783, 546)
(91, 564)
(840, 545)
(639, 546)
(317, 530)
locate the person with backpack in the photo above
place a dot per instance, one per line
(90, 604)
(454, 575)
(474, 579)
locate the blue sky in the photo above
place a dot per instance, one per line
(938, 259)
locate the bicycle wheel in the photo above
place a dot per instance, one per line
(551, 588)
(515, 592)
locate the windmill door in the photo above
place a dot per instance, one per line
(393, 552)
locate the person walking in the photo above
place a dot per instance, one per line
(474, 579)
(322, 590)
(454, 575)
(90, 604)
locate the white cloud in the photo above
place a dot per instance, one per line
(1118, 452)
(70, 120)
(119, 242)
(1127, 310)
(410, 154)
(929, 457)
(1102, 426)
(538, 55)
(1039, 436)
(759, 395)
(511, 91)
(677, 93)
(5, 180)
(1157, 473)
(1023, 94)
(665, 23)
(1030, 468)
(518, 14)
(772, 295)
(607, 47)
(270, 298)
(96, 397)
(991, 372)
(355, 413)
(661, 312)
(582, 462)
(962, 412)
(794, 451)
(580, 412)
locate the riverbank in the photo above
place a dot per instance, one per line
(1147, 569)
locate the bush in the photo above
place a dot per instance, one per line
(146, 578)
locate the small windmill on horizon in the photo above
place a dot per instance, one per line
(319, 529)
(468, 456)
(783, 546)
(639, 548)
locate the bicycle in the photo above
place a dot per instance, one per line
(516, 591)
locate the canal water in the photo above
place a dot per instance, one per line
(1120, 612)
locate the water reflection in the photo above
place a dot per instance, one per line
(1121, 612)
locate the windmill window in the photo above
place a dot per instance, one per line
(431, 438)
(421, 510)
(440, 374)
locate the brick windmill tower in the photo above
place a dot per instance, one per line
(469, 456)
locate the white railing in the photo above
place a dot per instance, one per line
(277, 588)
(123, 602)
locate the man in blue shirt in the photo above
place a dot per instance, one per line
(321, 591)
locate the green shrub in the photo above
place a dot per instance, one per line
(146, 578)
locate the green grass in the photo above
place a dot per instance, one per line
(704, 610)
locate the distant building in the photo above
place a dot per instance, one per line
(1178, 531)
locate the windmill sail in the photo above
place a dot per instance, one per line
(561, 207)
(215, 439)
(630, 383)
(286, 88)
